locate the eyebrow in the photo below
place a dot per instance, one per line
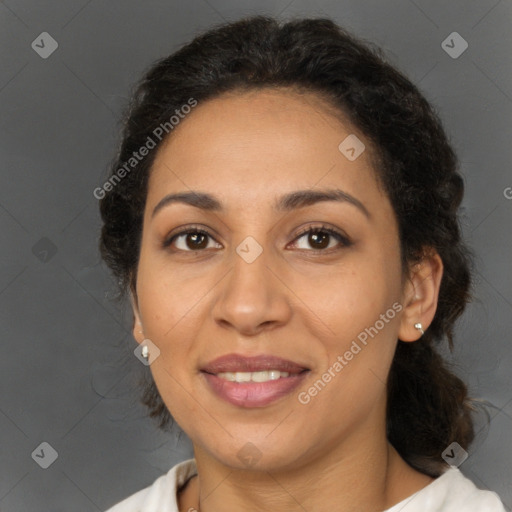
(285, 203)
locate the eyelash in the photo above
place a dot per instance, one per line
(344, 241)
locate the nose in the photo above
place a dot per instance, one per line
(252, 298)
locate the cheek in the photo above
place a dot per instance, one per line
(359, 310)
(351, 297)
(168, 299)
(356, 362)
(183, 404)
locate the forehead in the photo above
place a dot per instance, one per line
(252, 145)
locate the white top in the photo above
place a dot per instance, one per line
(451, 492)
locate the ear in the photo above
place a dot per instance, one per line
(138, 330)
(420, 295)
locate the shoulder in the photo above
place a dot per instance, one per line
(161, 494)
(462, 492)
(451, 492)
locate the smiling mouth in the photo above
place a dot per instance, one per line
(259, 376)
(254, 389)
(252, 381)
(244, 368)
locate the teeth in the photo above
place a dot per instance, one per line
(253, 376)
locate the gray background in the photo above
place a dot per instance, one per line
(68, 375)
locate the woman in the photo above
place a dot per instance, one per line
(283, 214)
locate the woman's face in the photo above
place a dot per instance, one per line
(259, 285)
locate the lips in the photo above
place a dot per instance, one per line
(247, 393)
(237, 363)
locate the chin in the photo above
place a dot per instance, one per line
(258, 454)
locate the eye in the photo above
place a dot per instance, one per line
(321, 238)
(191, 239)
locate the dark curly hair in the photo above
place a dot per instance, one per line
(427, 407)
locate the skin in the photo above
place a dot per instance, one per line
(247, 149)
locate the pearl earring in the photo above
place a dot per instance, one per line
(420, 328)
(145, 350)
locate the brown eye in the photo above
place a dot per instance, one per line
(322, 238)
(319, 240)
(190, 240)
(196, 241)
